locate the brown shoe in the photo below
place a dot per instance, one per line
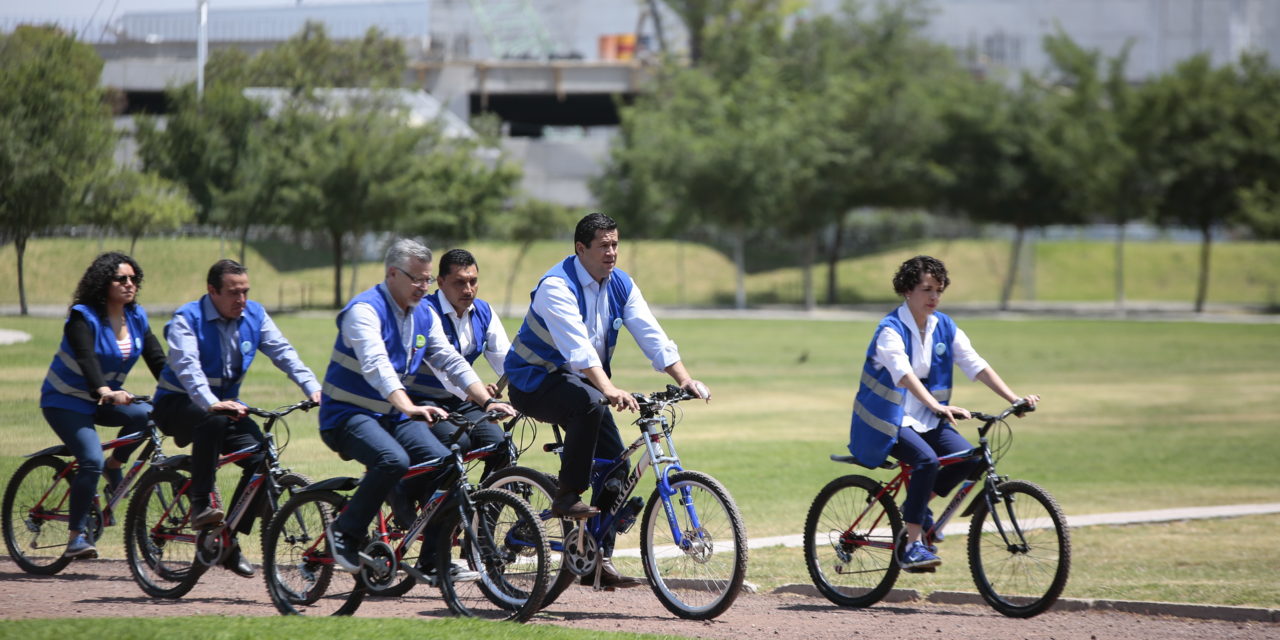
(207, 517)
(568, 504)
(611, 579)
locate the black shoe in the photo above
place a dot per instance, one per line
(611, 579)
(403, 511)
(207, 517)
(343, 548)
(236, 563)
(568, 505)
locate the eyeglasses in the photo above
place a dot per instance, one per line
(421, 283)
(137, 280)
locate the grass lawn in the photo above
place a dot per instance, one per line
(1134, 416)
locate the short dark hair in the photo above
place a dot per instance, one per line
(225, 266)
(912, 272)
(460, 258)
(590, 224)
(92, 290)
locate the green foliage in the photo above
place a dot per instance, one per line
(135, 203)
(311, 59)
(55, 132)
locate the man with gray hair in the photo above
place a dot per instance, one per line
(384, 335)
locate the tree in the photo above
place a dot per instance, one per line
(136, 203)
(55, 133)
(528, 221)
(311, 59)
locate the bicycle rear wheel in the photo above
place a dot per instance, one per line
(297, 564)
(158, 538)
(505, 567)
(538, 488)
(1020, 554)
(849, 539)
(698, 575)
(36, 506)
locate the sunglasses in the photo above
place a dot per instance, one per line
(137, 280)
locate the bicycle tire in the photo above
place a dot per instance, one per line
(509, 551)
(36, 539)
(849, 555)
(159, 542)
(538, 488)
(1020, 579)
(702, 580)
(297, 564)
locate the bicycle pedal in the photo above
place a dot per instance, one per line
(922, 570)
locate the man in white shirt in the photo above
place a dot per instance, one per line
(473, 329)
(558, 365)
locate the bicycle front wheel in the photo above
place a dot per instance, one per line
(696, 563)
(849, 539)
(158, 538)
(298, 565)
(505, 566)
(1020, 552)
(36, 508)
(538, 488)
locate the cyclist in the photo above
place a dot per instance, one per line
(472, 329)
(105, 333)
(384, 334)
(902, 403)
(212, 342)
(558, 365)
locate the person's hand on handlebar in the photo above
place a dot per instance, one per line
(951, 414)
(427, 413)
(498, 406)
(230, 408)
(315, 397)
(620, 399)
(696, 388)
(1031, 401)
(115, 397)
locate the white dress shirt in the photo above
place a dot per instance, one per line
(496, 342)
(583, 343)
(891, 353)
(362, 331)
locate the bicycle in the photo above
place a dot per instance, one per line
(38, 497)
(498, 537)
(166, 554)
(693, 548)
(1019, 545)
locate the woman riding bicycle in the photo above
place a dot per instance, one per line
(105, 333)
(902, 404)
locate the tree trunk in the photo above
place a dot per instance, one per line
(1120, 267)
(833, 261)
(1202, 287)
(133, 244)
(1015, 254)
(740, 269)
(809, 253)
(511, 276)
(244, 239)
(680, 273)
(20, 247)
(336, 237)
(355, 264)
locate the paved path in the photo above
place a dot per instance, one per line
(1119, 517)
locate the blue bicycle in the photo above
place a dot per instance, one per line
(693, 543)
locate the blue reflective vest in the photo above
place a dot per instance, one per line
(64, 385)
(877, 409)
(425, 385)
(533, 353)
(345, 391)
(209, 341)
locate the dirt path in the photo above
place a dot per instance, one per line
(102, 588)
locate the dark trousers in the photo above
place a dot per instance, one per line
(921, 451)
(76, 430)
(485, 432)
(210, 435)
(386, 450)
(589, 430)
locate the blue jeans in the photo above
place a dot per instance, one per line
(386, 450)
(76, 430)
(921, 451)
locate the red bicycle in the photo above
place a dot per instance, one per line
(1019, 544)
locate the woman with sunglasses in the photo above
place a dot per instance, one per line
(105, 334)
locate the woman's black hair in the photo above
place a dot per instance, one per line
(92, 290)
(912, 272)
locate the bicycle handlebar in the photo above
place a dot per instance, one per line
(280, 412)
